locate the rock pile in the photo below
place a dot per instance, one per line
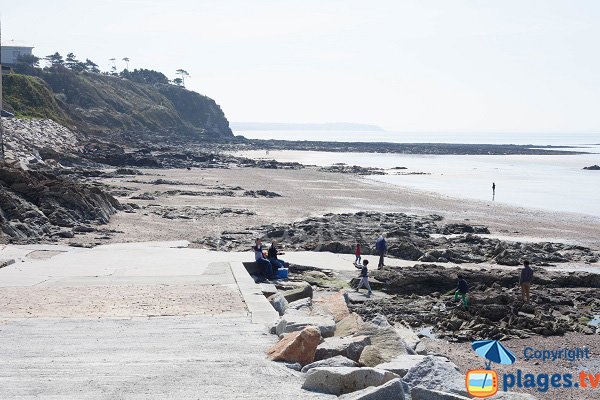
(36, 205)
(423, 297)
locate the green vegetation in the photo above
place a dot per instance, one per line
(29, 97)
(73, 93)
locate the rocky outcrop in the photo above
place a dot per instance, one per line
(394, 389)
(296, 321)
(350, 347)
(594, 167)
(386, 343)
(36, 205)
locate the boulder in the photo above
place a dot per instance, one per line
(386, 343)
(401, 364)
(296, 347)
(342, 380)
(302, 304)
(349, 325)
(350, 346)
(393, 389)
(298, 293)
(422, 393)
(408, 335)
(298, 320)
(436, 374)
(337, 361)
(278, 302)
(334, 304)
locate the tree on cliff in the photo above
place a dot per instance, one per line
(126, 59)
(91, 66)
(55, 59)
(145, 76)
(183, 74)
(178, 81)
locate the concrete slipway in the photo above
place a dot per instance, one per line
(136, 321)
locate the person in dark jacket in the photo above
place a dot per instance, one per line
(364, 277)
(462, 288)
(272, 255)
(260, 259)
(525, 281)
(381, 247)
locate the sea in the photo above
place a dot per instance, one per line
(547, 182)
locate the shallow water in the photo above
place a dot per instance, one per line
(550, 182)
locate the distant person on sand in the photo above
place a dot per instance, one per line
(493, 190)
(357, 254)
(381, 247)
(272, 255)
(525, 281)
(259, 256)
(462, 288)
(364, 277)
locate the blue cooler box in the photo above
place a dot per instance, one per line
(282, 273)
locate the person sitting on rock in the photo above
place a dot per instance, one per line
(259, 256)
(364, 277)
(462, 288)
(272, 255)
(357, 254)
(525, 281)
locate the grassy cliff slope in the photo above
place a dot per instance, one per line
(97, 103)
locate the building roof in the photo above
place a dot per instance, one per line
(16, 43)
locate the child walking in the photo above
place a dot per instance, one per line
(364, 277)
(357, 254)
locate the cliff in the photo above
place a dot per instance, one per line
(95, 104)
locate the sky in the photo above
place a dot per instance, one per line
(405, 65)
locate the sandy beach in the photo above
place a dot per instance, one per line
(309, 192)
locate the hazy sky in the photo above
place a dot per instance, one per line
(422, 65)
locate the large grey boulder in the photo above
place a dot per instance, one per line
(300, 292)
(297, 320)
(436, 373)
(337, 361)
(402, 364)
(393, 389)
(386, 343)
(350, 347)
(408, 335)
(302, 304)
(349, 325)
(422, 393)
(278, 302)
(342, 380)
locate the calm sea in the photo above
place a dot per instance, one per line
(550, 182)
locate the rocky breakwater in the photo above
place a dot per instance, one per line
(422, 297)
(355, 358)
(36, 205)
(25, 139)
(409, 237)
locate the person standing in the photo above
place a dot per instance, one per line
(381, 247)
(493, 190)
(260, 259)
(525, 281)
(364, 277)
(357, 254)
(462, 288)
